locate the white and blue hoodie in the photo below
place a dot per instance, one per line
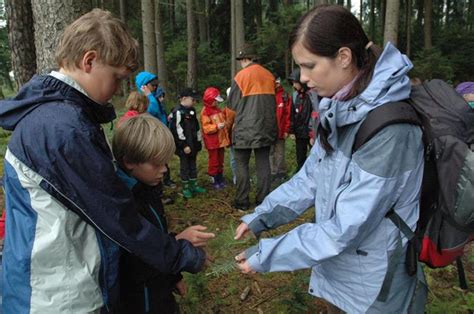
(68, 212)
(350, 244)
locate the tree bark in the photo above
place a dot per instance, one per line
(21, 39)
(258, 15)
(391, 22)
(191, 79)
(428, 25)
(122, 10)
(172, 16)
(383, 10)
(149, 40)
(125, 83)
(239, 25)
(233, 48)
(202, 16)
(160, 47)
(372, 19)
(50, 18)
(408, 16)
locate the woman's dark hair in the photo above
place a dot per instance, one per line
(327, 28)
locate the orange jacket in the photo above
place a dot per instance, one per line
(213, 136)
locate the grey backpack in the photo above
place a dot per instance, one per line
(446, 221)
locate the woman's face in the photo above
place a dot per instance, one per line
(325, 75)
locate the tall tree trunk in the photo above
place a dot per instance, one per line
(372, 19)
(361, 12)
(21, 38)
(122, 10)
(349, 5)
(428, 25)
(125, 83)
(448, 12)
(160, 47)
(149, 40)
(391, 22)
(340, 2)
(408, 15)
(191, 79)
(47, 33)
(470, 12)
(239, 25)
(208, 26)
(202, 16)
(383, 11)
(172, 15)
(233, 48)
(258, 15)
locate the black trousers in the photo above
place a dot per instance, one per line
(262, 162)
(187, 167)
(302, 145)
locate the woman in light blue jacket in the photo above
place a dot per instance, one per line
(357, 255)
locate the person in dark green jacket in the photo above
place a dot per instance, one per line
(252, 97)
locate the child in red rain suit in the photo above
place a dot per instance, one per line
(215, 131)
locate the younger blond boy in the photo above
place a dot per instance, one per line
(143, 146)
(68, 212)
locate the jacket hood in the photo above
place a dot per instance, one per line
(143, 78)
(389, 83)
(159, 92)
(211, 94)
(43, 89)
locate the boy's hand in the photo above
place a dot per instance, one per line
(221, 125)
(145, 90)
(292, 136)
(187, 150)
(195, 235)
(242, 230)
(181, 288)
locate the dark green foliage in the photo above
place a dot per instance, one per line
(429, 64)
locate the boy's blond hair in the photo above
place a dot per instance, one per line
(97, 31)
(142, 139)
(137, 101)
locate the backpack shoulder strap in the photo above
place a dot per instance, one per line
(382, 116)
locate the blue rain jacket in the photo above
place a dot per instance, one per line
(350, 243)
(68, 212)
(155, 108)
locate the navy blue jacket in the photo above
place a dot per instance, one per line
(68, 212)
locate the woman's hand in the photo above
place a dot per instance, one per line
(242, 230)
(243, 265)
(196, 236)
(187, 150)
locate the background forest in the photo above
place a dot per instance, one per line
(193, 43)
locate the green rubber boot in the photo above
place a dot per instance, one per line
(187, 191)
(195, 188)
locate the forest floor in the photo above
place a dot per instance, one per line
(220, 287)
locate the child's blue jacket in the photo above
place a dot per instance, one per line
(68, 212)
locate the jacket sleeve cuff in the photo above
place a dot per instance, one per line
(252, 255)
(255, 224)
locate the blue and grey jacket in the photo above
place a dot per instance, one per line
(155, 108)
(351, 244)
(68, 212)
